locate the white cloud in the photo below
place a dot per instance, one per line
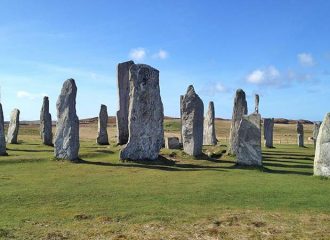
(306, 59)
(30, 96)
(138, 54)
(262, 76)
(161, 54)
(212, 88)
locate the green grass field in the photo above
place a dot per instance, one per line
(176, 197)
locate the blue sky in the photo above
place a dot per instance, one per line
(279, 49)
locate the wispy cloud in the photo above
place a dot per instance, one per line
(161, 54)
(29, 95)
(138, 54)
(213, 88)
(306, 59)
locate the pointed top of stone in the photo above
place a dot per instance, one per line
(191, 90)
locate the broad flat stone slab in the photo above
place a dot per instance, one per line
(2, 134)
(102, 133)
(268, 132)
(322, 151)
(46, 133)
(13, 127)
(66, 144)
(192, 122)
(123, 95)
(172, 143)
(249, 141)
(146, 115)
(209, 137)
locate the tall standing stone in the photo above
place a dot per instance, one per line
(46, 133)
(181, 98)
(300, 134)
(322, 151)
(123, 95)
(192, 122)
(316, 130)
(240, 109)
(2, 134)
(249, 141)
(268, 132)
(145, 119)
(102, 133)
(256, 101)
(209, 136)
(67, 127)
(13, 127)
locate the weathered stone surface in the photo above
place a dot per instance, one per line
(46, 133)
(172, 143)
(268, 132)
(181, 98)
(13, 127)
(123, 95)
(256, 102)
(2, 134)
(67, 127)
(102, 134)
(316, 130)
(240, 109)
(249, 141)
(300, 134)
(146, 133)
(322, 151)
(209, 137)
(192, 122)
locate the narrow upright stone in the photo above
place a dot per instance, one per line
(240, 109)
(209, 137)
(123, 95)
(256, 102)
(316, 130)
(192, 122)
(13, 127)
(322, 151)
(145, 120)
(46, 133)
(249, 141)
(102, 133)
(268, 132)
(67, 127)
(2, 134)
(300, 134)
(181, 98)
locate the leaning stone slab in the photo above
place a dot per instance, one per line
(13, 127)
(322, 151)
(192, 122)
(209, 137)
(249, 141)
(268, 132)
(172, 143)
(67, 127)
(240, 109)
(102, 133)
(300, 134)
(2, 134)
(123, 95)
(145, 120)
(46, 123)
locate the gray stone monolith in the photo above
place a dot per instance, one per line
(240, 108)
(123, 95)
(209, 136)
(268, 132)
(67, 127)
(46, 133)
(181, 98)
(2, 134)
(102, 133)
(172, 143)
(316, 130)
(300, 134)
(249, 141)
(322, 151)
(192, 122)
(145, 119)
(13, 127)
(256, 102)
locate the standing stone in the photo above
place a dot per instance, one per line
(268, 132)
(2, 134)
(123, 95)
(249, 141)
(181, 98)
(209, 137)
(172, 143)
(102, 134)
(240, 109)
(145, 119)
(316, 130)
(46, 123)
(67, 127)
(13, 127)
(256, 101)
(300, 134)
(322, 151)
(192, 122)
